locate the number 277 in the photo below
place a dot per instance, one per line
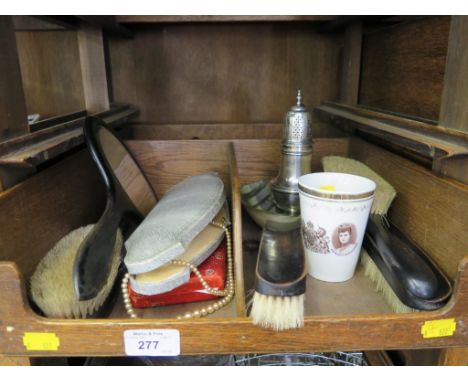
(147, 345)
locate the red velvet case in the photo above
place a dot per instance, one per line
(213, 271)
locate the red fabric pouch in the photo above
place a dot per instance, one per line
(213, 271)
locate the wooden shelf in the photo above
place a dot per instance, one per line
(38, 153)
(349, 316)
(45, 194)
(321, 333)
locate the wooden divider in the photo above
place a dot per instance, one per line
(165, 163)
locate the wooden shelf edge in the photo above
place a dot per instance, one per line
(320, 333)
(443, 150)
(427, 140)
(38, 147)
(35, 154)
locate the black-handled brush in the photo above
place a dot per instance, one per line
(92, 264)
(75, 279)
(406, 276)
(280, 285)
(414, 277)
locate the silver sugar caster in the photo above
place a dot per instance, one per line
(296, 155)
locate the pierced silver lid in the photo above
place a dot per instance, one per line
(297, 131)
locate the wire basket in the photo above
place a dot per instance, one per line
(303, 359)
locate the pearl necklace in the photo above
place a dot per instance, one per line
(227, 293)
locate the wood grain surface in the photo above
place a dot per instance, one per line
(454, 110)
(454, 356)
(260, 158)
(403, 67)
(12, 100)
(50, 68)
(93, 68)
(351, 64)
(35, 154)
(38, 212)
(415, 138)
(14, 361)
(158, 132)
(166, 163)
(33, 149)
(213, 131)
(228, 335)
(229, 73)
(455, 167)
(415, 125)
(9, 176)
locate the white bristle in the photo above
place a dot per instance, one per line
(278, 313)
(52, 282)
(373, 273)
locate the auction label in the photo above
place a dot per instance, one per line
(37, 341)
(439, 328)
(143, 342)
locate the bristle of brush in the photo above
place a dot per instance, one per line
(384, 194)
(278, 313)
(373, 273)
(52, 282)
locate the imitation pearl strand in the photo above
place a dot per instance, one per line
(227, 293)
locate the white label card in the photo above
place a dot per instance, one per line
(143, 342)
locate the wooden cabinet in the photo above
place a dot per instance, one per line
(211, 95)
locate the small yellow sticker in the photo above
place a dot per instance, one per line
(41, 341)
(439, 328)
(328, 187)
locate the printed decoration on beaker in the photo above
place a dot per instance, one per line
(315, 240)
(344, 239)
